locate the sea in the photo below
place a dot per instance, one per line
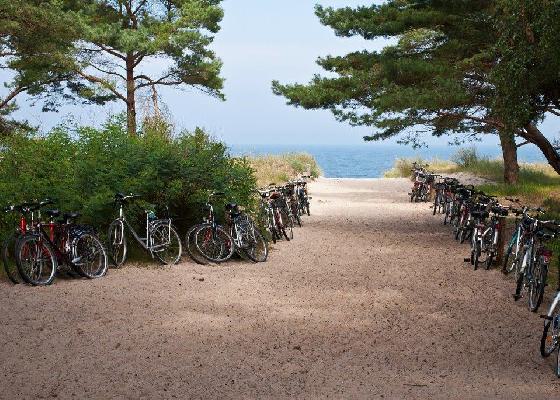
(371, 160)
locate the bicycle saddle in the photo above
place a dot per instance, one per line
(233, 209)
(121, 197)
(71, 215)
(52, 213)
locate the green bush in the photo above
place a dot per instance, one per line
(83, 168)
(466, 157)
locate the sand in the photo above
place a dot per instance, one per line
(372, 299)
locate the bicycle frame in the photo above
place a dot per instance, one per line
(145, 242)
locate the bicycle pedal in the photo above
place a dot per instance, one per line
(546, 317)
(467, 260)
(516, 297)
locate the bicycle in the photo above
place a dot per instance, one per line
(485, 238)
(161, 239)
(24, 225)
(550, 338)
(246, 237)
(535, 260)
(48, 245)
(211, 240)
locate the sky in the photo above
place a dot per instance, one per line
(260, 41)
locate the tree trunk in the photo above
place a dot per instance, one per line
(535, 136)
(130, 95)
(509, 151)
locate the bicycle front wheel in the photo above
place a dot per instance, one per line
(35, 260)
(537, 284)
(551, 334)
(166, 244)
(117, 243)
(510, 255)
(190, 245)
(258, 251)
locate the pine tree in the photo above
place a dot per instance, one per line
(130, 45)
(436, 76)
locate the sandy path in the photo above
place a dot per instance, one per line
(371, 300)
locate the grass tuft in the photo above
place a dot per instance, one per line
(281, 168)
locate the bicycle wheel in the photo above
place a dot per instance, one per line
(258, 251)
(280, 225)
(35, 260)
(288, 223)
(190, 246)
(307, 208)
(166, 244)
(117, 247)
(295, 213)
(89, 256)
(551, 334)
(215, 244)
(477, 254)
(9, 260)
(508, 264)
(537, 285)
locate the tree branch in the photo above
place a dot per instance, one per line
(107, 72)
(12, 95)
(103, 83)
(111, 51)
(487, 121)
(553, 111)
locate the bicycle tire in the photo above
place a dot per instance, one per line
(489, 261)
(85, 271)
(190, 246)
(159, 231)
(251, 252)
(9, 260)
(519, 285)
(116, 244)
(289, 226)
(26, 249)
(477, 251)
(222, 248)
(536, 290)
(547, 348)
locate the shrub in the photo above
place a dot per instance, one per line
(83, 168)
(466, 157)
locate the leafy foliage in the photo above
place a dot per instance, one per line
(83, 168)
(119, 39)
(527, 76)
(435, 75)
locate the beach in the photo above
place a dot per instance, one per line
(372, 299)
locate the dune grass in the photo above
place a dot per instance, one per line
(538, 185)
(281, 168)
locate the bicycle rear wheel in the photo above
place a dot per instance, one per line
(117, 247)
(35, 260)
(9, 260)
(89, 256)
(166, 244)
